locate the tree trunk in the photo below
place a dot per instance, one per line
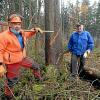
(92, 71)
(52, 22)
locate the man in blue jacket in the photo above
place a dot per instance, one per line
(80, 45)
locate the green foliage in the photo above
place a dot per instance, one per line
(51, 73)
(57, 85)
(37, 88)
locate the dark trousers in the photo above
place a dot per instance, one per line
(77, 64)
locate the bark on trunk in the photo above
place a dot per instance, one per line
(92, 71)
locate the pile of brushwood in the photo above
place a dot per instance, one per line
(58, 84)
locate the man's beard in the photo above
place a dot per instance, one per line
(17, 29)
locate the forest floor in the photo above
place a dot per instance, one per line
(87, 87)
(58, 84)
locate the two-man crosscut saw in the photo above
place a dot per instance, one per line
(44, 31)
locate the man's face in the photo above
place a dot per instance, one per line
(80, 28)
(15, 25)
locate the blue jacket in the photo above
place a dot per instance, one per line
(79, 43)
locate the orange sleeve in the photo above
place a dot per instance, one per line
(3, 44)
(29, 34)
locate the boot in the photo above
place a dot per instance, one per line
(37, 75)
(9, 97)
(8, 93)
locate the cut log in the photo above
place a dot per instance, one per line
(92, 71)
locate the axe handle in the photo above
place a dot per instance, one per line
(43, 31)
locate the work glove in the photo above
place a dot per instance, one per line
(37, 29)
(87, 52)
(2, 70)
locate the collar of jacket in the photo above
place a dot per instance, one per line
(79, 33)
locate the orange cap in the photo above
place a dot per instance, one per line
(16, 19)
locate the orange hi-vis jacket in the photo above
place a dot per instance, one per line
(10, 49)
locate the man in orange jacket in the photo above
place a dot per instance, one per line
(13, 55)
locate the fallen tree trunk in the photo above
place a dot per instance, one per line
(92, 71)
